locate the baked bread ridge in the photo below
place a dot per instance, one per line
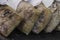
(26, 11)
(54, 21)
(42, 21)
(8, 20)
(58, 26)
(30, 22)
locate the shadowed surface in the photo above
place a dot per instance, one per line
(16, 35)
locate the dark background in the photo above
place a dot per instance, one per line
(17, 35)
